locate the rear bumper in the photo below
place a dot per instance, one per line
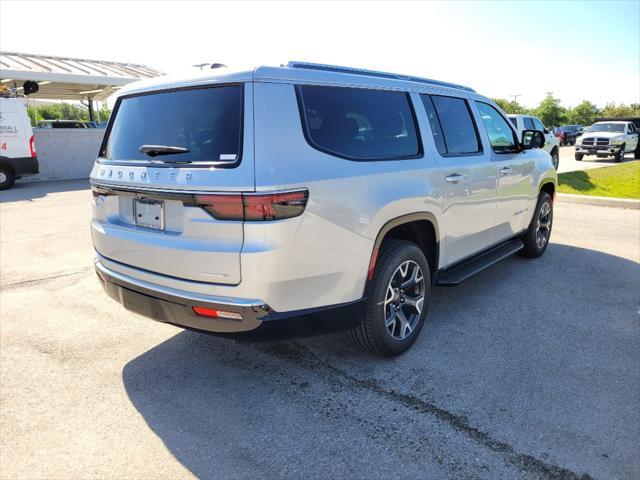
(176, 306)
(24, 165)
(259, 321)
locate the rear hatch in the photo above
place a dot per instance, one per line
(167, 154)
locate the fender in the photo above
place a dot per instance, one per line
(396, 222)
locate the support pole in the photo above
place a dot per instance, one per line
(90, 110)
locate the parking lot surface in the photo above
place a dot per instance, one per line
(568, 162)
(528, 370)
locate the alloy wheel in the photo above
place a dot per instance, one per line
(3, 178)
(543, 225)
(404, 300)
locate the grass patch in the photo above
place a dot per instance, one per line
(621, 181)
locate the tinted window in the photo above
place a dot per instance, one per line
(538, 124)
(500, 133)
(514, 120)
(435, 124)
(205, 121)
(457, 125)
(359, 123)
(528, 123)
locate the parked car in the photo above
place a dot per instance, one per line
(17, 146)
(281, 191)
(551, 143)
(62, 124)
(569, 134)
(606, 139)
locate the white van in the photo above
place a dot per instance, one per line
(17, 148)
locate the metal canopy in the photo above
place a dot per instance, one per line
(69, 78)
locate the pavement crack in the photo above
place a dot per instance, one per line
(300, 354)
(25, 283)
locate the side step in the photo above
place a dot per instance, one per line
(468, 268)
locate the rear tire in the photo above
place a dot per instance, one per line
(7, 177)
(397, 298)
(579, 156)
(620, 154)
(537, 236)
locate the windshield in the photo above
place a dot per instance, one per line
(202, 125)
(607, 127)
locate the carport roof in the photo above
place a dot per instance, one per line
(69, 78)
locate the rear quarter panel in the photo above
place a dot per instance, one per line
(349, 201)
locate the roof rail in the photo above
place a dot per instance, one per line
(374, 73)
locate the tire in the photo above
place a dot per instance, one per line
(579, 156)
(555, 158)
(537, 236)
(383, 330)
(7, 178)
(636, 153)
(619, 157)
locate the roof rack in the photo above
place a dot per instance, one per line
(374, 73)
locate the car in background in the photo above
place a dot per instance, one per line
(63, 124)
(17, 147)
(605, 139)
(529, 122)
(569, 134)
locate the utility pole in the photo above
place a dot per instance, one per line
(201, 65)
(515, 97)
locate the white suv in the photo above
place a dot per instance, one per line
(230, 201)
(551, 143)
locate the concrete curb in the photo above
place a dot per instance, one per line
(599, 201)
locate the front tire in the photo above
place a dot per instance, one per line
(397, 300)
(620, 155)
(537, 236)
(579, 156)
(7, 178)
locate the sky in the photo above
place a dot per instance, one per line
(575, 49)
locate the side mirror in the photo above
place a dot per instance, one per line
(532, 139)
(546, 131)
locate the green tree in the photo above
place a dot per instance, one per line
(622, 110)
(512, 107)
(583, 114)
(550, 111)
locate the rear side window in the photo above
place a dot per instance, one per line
(454, 124)
(359, 124)
(206, 123)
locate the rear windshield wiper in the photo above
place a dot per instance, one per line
(155, 150)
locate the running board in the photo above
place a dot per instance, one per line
(468, 268)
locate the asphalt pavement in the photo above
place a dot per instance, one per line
(528, 370)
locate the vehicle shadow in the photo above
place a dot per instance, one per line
(578, 180)
(230, 410)
(31, 190)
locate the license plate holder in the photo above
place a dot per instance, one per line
(148, 213)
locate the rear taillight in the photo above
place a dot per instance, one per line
(254, 207)
(32, 146)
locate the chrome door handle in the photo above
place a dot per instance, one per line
(506, 171)
(454, 178)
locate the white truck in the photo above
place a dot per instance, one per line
(529, 122)
(610, 138)
(17, 149)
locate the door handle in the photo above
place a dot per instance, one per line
(454, 178)
(506, 171)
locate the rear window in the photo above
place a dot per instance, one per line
(359, 124)
(205, 123)
(458, 128)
